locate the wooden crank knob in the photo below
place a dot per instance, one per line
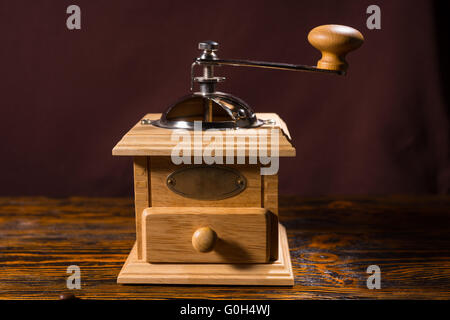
(334, 41)
(204, 239)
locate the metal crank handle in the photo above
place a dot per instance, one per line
(266, 65)
(332, 40)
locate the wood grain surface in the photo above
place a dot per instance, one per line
(278, 273)
(243, 236)
(332, 242)
(149, 140)
(162, 196)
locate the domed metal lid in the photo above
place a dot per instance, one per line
(214, 110)
(220, 110)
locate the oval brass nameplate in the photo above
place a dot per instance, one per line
(205, 182)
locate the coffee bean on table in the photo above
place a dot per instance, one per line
(67, 296)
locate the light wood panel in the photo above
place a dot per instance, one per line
(162, 196)
(278, 273)
(141, 196)
(241, 232)
(148, 140)
(270, 192)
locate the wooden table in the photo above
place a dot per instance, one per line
(332, 241)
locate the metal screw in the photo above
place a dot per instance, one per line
(146, 121)
(171, 181)
(269, 121)
(208, 45)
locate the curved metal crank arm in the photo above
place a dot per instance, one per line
(266, 65)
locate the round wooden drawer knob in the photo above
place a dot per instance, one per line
(204, 239)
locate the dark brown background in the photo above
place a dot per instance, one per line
(68, 96)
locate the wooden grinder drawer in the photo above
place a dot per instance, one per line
(232, 235)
